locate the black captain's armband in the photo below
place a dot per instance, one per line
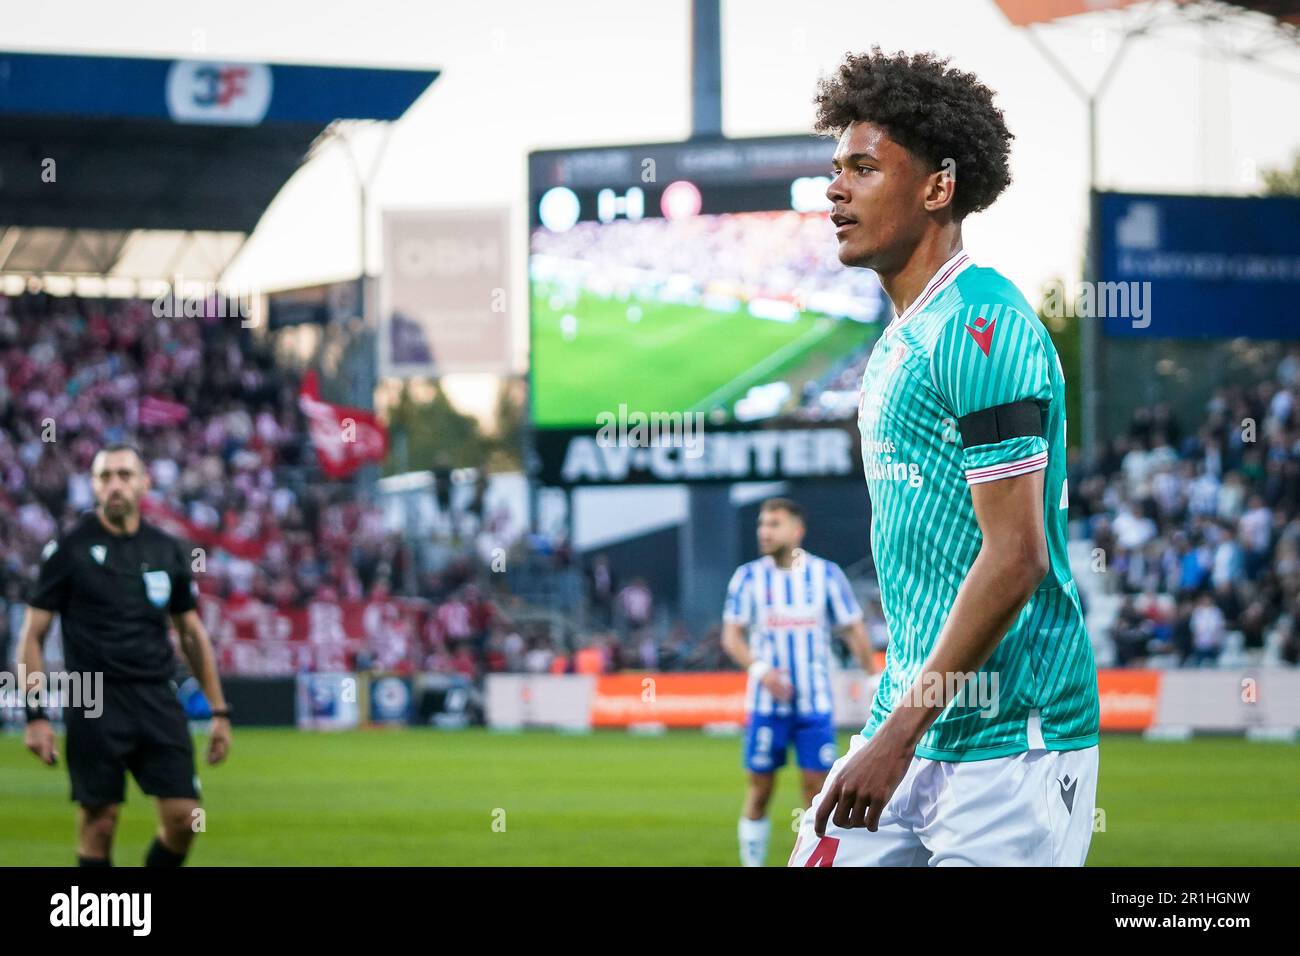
(989, 426)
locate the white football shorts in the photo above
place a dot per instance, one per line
(1029, 809)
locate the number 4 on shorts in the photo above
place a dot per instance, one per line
(823, 853)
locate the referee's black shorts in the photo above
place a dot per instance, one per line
(143, 729)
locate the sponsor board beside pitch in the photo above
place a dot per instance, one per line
(704, 699)
(328, 702)
(1130, 700)
(390, 700)
(560, 701)
(674, 700)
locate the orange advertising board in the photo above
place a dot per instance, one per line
(1128, 698)
(674, 700)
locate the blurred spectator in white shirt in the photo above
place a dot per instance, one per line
(1207, 631)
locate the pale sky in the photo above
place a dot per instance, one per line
(518, 75)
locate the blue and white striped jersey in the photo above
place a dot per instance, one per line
(790, 613)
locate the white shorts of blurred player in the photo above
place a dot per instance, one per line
(1030, 809)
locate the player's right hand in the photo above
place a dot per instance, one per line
(39, 738)
(218, 740)
(778, 685)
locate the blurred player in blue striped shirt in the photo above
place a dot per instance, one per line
(777, 623)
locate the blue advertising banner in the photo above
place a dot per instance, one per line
(327, 702)
(204, 92)
(1197, 266)
(390, 700)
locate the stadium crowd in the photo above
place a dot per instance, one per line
(218, 425)
(227, 447)
(1198, 530)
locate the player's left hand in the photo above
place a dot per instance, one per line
(218, 739)
(869, 778)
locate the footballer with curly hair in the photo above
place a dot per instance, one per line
(981, 745)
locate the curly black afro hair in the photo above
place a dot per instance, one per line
(933, 111)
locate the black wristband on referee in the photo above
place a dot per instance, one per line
(36, 713)
(223, 712)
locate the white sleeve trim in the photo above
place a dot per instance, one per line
(1009, 469)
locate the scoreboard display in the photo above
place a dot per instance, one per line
(696, 277)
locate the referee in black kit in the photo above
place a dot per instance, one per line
(116, 580)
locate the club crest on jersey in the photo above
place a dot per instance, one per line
(981, 330)
(158, 587)
(98, 552)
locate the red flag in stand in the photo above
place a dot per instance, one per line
(345, 438)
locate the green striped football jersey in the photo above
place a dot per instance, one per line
(970, 342)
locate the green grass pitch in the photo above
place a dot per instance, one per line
(468, 798)
(675, 358)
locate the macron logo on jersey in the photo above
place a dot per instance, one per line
(981, 330)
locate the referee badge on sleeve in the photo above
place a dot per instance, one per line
(158, 587)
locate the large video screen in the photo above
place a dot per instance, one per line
(693, 277)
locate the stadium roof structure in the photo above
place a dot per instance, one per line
(136, 168)
(1249, 30)
(1024, 12)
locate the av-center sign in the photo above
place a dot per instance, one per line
(603, 456)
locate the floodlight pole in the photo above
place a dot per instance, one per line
(363, 389)
(706, 69)
(365, 182)
(1090, 334)
(708, 545)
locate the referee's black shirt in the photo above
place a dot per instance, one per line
(114, 594)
